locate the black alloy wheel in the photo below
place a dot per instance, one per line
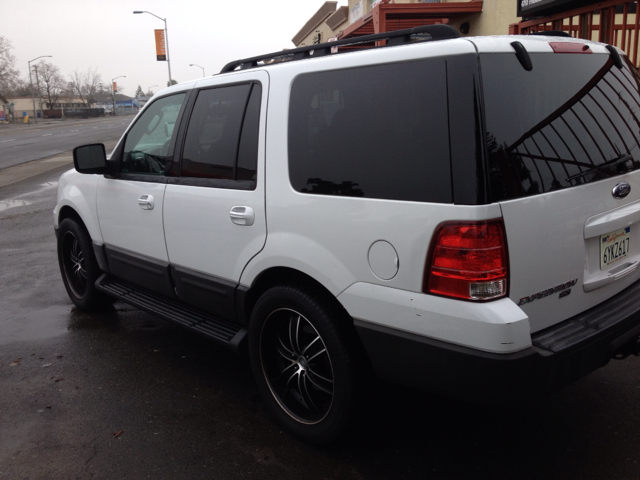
(73, 259)
(296, 366)
(306, 361)
(78, 266)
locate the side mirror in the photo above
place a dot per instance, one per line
(91, 159)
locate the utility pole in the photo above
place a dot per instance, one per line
(39, 91)
(31, 85)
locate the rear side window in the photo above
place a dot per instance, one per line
(572, 120)
(222, 136)
(374, 132)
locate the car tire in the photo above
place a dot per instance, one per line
(306, 362)
(79, 267)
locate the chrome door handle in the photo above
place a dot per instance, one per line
(244, 216)
(146, 202)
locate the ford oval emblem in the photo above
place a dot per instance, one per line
(621, 190)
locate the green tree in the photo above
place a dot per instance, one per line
(139, 92)
(173, 82)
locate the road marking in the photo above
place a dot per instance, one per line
(10, 140)
(47, 134)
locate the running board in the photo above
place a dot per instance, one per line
(226, 333)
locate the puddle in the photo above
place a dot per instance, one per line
(24, 324)
(7, 204)
(16, 202)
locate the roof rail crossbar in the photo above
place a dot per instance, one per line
(398, 37)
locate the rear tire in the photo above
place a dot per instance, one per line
(306, 362)
(79, 267)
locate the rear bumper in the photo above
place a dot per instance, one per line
(558, 356)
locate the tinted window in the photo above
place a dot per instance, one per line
(248, 150)
(211, 143)
(550, 128)
(376, 132)
(146, 150)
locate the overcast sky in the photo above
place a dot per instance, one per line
(105, 34)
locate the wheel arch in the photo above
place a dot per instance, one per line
(70, 212)
(283, 276)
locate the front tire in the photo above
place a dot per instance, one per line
(305, 361)
(78, 266)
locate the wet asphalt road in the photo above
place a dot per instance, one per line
(121, 394)
(21, 143)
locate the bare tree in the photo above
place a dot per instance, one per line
(20, 88)
(52, 83)
(85, 85)
(9, 75)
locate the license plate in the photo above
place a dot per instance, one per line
(614, 247)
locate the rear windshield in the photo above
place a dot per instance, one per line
(573, 119)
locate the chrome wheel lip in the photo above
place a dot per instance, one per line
(300, 364)
(73, 262)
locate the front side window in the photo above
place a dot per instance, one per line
(147, 148)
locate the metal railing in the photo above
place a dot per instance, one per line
(614, 22)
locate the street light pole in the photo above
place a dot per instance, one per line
(35, 67)
(113, 93)
(196, 65)
(166, 39)
(33, 101)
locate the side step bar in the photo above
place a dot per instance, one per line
(226, 333)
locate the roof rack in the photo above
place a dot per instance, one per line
(398, 37)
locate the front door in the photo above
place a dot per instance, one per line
(130, 204)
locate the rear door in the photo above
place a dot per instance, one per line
(214, 212)
(562, 143)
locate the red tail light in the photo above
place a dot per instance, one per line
(468, 260)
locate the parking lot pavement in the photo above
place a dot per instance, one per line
(121, 394)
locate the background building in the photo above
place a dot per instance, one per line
(610, 21)
(613, 21)
(5, 109)
(366, 17)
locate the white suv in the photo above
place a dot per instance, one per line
(455, 214)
